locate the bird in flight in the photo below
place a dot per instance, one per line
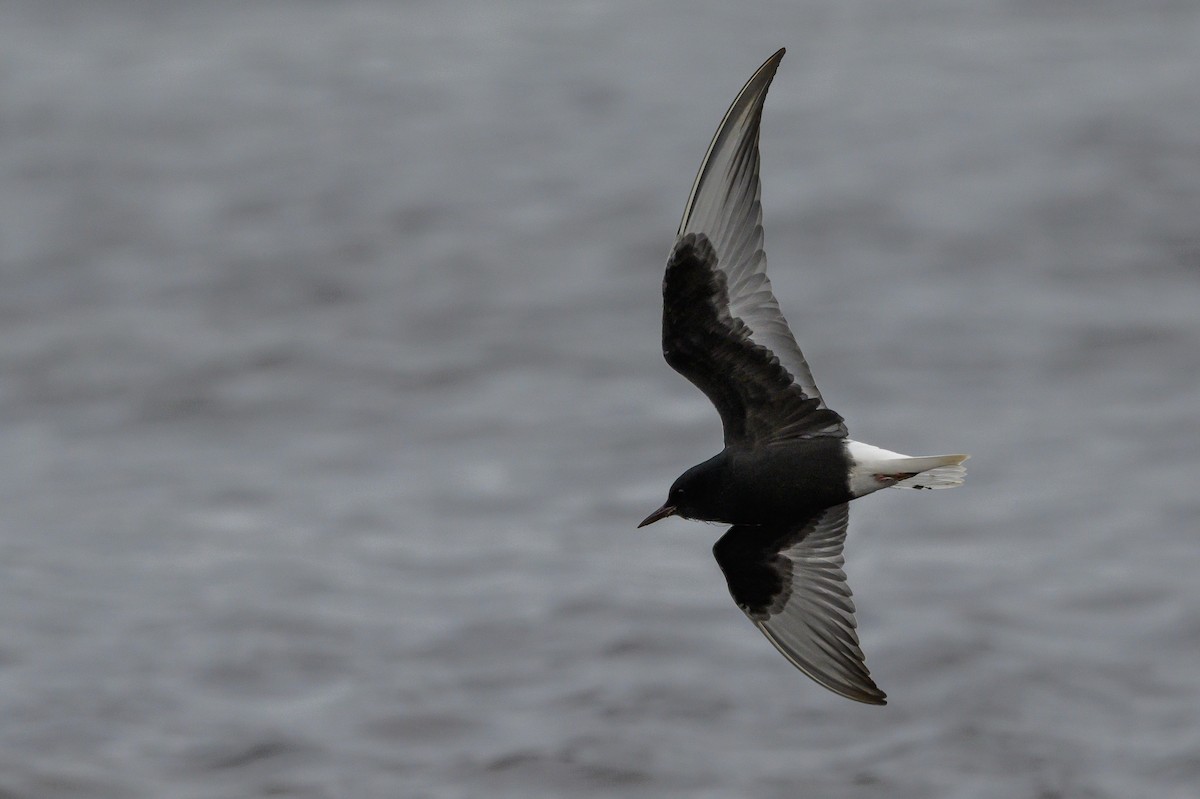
(789, 468)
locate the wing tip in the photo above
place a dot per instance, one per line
(871, 697)
(863, 689)
(854, 683)
(749, 99)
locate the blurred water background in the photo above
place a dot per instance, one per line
(331, 394)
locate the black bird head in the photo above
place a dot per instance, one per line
(693, 496)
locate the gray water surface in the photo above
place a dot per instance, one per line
(331, 394)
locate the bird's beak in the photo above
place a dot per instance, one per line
(661, 513)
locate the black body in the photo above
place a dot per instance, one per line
(765, 485)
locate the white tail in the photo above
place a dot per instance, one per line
(872, 468)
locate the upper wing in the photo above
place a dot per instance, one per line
(755, 394)
(791, 585)
(724, 209)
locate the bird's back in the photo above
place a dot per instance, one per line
(784, 481)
